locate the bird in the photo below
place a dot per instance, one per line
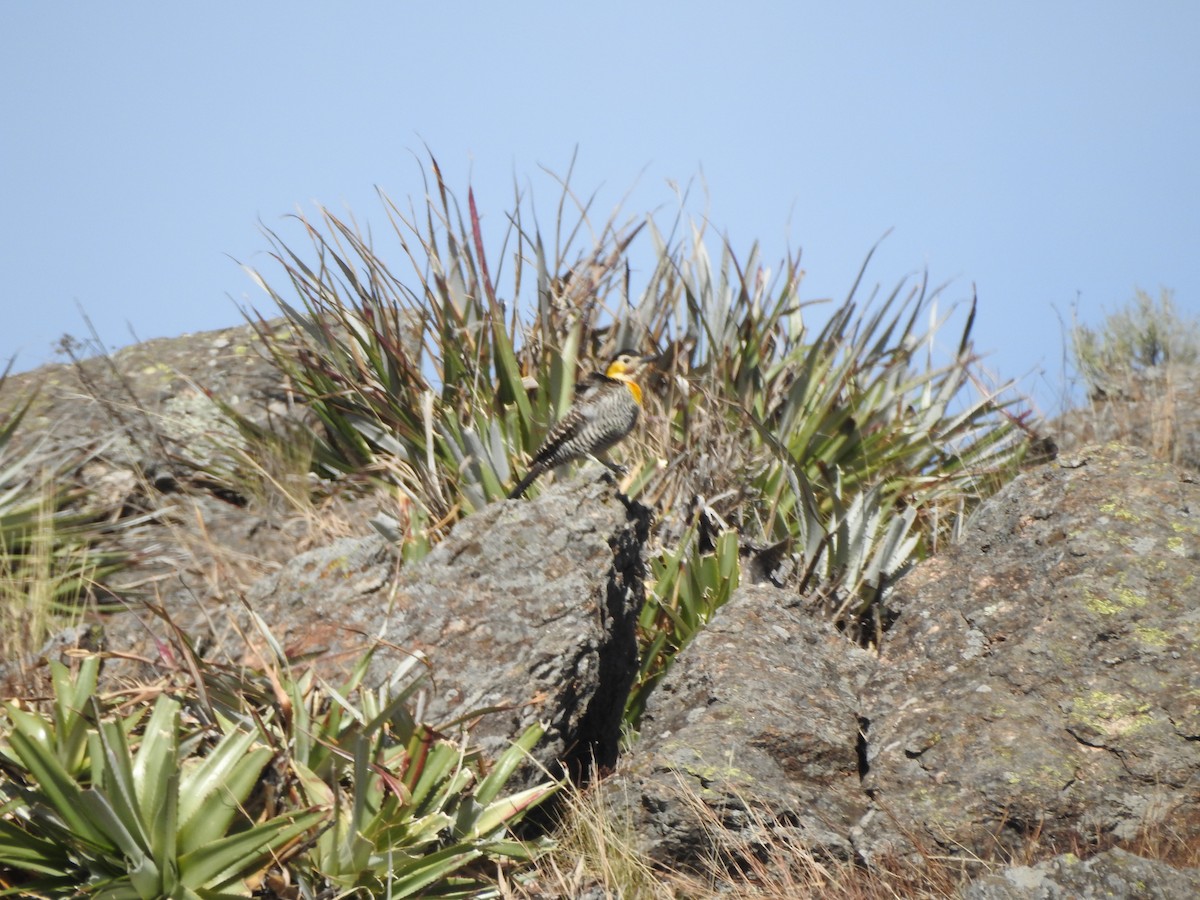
(605, 410)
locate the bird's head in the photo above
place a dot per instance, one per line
(626, 366)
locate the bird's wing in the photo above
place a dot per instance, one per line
(563, 433)
(578, 417)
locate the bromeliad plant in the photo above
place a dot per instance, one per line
(411, 810)
(410, 818)
(855, 445)
(851, 450)
(423, 386)
(133, 806)
(687, 586)
(290, 782)
(441, 385)
(864, 401)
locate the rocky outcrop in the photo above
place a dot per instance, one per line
(133, 439)
(1038, 692)
(526, 612)
(144, 410)
(1111, 874)
(1040, 683)
(752, 735)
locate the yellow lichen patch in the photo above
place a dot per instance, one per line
(1153, 637)
(1121, 600)
(1129, 599)
(1109, 714)
(1113, 508)
(1101, 606)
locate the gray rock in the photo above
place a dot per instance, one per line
(527, 609)
(1040, 685)
(754, 728)
(145, 409)
(1112, 874)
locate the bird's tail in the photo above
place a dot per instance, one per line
(524, 483)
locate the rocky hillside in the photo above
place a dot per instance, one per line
(1032, 717)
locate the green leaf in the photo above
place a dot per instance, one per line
(156, 775)
(30, 853)
(410, 877)
(119, 790)
(503, 768)
(219, 863)
(71, 694)
(506, 811)
(140, 866)
(55, 783)
(211, 793)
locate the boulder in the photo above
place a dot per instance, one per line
(752, 737)
(1039, 686)
(527, 611)
(1036, 693)
(1113, 873)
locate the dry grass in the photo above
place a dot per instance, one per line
(598, 855)
(1176, 842)
(29, 586)
(593, 854)
(1141, 378)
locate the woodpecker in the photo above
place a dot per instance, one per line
(605, 410)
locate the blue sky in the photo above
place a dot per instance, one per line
(1046, 153)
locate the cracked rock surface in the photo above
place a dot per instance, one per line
(1113, 873)
(1041, 681)
(754, 728)
(527, 609)
(1038, 693)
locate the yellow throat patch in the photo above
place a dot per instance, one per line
(618, 371)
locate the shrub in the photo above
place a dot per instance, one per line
(1141, 336)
